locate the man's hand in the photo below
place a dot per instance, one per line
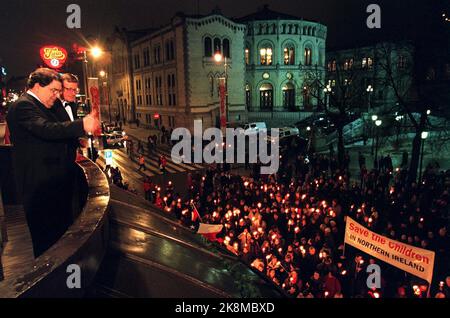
(91, 124)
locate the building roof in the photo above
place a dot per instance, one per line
(266, 14)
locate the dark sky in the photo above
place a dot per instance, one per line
(26, 25)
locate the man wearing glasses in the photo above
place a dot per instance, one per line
(40, 157)
(65, 109)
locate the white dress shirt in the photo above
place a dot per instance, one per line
(68, 110)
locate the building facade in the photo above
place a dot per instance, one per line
(169, 77)
(282, 54)
(375, 75)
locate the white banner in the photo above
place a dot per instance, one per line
(411, 259)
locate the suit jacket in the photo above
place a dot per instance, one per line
(40, 149)
(61, 113)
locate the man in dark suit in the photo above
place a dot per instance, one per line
(65, 109)
(40, 156)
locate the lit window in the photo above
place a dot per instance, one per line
(308, 56)
(266, 56)
(289, 56)
(247, 56)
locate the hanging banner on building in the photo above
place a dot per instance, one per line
(411, 259)
(223, 111)
(94, 98)
(53, 56)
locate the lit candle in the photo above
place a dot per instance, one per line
(259, 205)
(246, 183)
(280, 250)
(297, 229)
(344, 272)
(274, 236)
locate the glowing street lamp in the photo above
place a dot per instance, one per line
(378, 123)
(423, 136)
(218, 57)
(96, 52)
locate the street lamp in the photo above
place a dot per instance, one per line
(96, 52)
(423, 136)
(369, 93)
(218, 57)
(327, 91)
(374, 118)
(378, 123)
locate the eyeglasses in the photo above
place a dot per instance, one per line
(55, 91)
(73, 90)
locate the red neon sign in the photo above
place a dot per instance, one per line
(156, 116)
(53, 56)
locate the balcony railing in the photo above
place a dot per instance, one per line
(84, 243)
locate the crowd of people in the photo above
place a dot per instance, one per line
(290, 225)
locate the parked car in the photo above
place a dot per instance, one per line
(254, 128)
(114, 139)
(284, 133)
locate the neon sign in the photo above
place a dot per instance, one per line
(53, 56)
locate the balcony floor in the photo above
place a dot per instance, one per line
(18, 250)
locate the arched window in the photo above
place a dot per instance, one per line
(308, 56)
(247, 56)
(289, 55)
(217, 46)
(265, 54)
(288, 96)
(208, 47)
(266, 96)
(309, 30)
(248, 96)
(305, 30)
(226, 48)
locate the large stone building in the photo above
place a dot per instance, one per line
(373, 77)
(282, 53)
(169, 76)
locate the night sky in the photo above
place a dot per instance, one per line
(26, 25)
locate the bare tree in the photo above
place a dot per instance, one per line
(340, 95)
(407, 74)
